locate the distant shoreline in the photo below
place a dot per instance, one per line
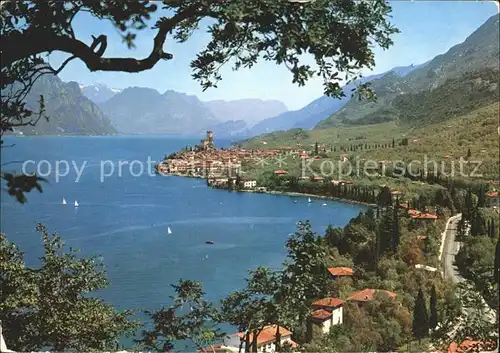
(299, 194)
(281, 193)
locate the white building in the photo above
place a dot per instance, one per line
(327, 313)
(249, 183)
(266, 339)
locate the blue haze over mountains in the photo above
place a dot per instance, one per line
(140, 110)
(98, 109)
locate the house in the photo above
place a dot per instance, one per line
(266, 339)
(326, 313)
(367, 295)
(280, 172)
(218, 348)
(248, 183)
(316, 178)
(472, 346)
(337, 272)
(396, 193)
(493, 199)
(413, 212)
(425, 217)
(343, 157)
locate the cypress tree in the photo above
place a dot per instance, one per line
(489, 228)
(481, 197)
(433, 319)
(496, 269)
(420, 326)
(377, 244)
(316, 150)
(393, 143)
(493, 230)
(395, 237)
(468, 153)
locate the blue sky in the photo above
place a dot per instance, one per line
(427, 29)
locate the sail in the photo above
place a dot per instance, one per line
(309, 200)
(64, 201)
(76, 203)
(169, 230)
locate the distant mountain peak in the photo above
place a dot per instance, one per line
(98, 92)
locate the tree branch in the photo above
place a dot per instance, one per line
(19, 45)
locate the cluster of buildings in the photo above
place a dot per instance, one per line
(219, 166)
(325, 313)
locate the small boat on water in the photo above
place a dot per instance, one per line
(211, 242)
(309, 200)
(169, 231)
(295, 201)
(64, 201)
(324, 204)
(76, 203)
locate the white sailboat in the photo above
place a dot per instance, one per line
(169, 231)
(309, 200)
(324, 204)
(64, 201)
(76, 203)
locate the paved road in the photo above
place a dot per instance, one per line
(450, 249)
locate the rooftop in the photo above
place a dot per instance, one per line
(268, 334)
(321, 315)
(340, 271)
(368, 294)
(329, 302)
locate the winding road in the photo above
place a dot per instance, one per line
(449, 249)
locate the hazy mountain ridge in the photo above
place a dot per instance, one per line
(69, 112)
(250, 111)
(479, 51)
(319, 109)
(99, 92)
(146, 111)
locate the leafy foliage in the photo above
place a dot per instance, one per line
(198, 326)
(19, 184)
(50, 307)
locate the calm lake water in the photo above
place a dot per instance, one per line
(125, 218)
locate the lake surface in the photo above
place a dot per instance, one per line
(124, 217)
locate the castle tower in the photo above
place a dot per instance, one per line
(210, 136)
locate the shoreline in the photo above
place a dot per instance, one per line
(299, 194)
(280, 193)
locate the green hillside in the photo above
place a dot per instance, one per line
(478, 52)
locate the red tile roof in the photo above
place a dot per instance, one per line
(425, 216)
(421, 237)
(280, 172)
(469, 345)
(340, 271)
(493, 194)
(268, 334)
(413, 212)
(321, 315)
(329, 302)
(368, 294)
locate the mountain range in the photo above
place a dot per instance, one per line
(319, 109)
(97, 109)
(98, 93)
(455, 84)
(68, 111)
(479, 52)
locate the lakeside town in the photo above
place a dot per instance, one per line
(223, 169)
